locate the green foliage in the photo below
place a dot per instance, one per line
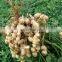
(52, 8)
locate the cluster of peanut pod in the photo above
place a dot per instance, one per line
(23, 36)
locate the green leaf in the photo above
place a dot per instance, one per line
(48, 58)
(60, 59)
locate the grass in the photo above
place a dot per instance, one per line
(52, 8)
